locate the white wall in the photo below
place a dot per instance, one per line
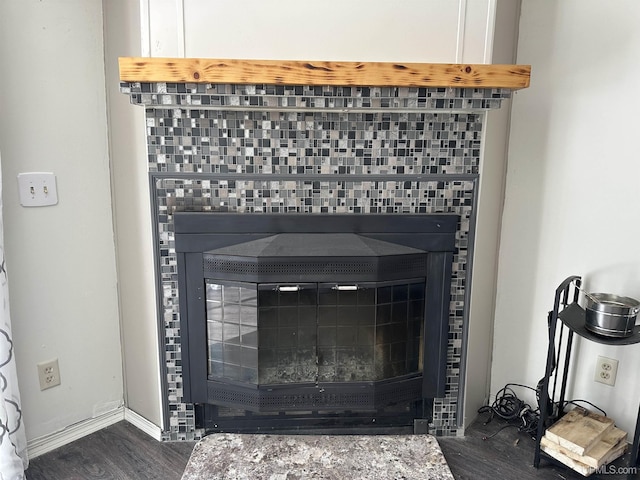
(357, 30)
(572, 200)
(62, 276)
(132, 218)
(493, 167)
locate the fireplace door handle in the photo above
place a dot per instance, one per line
(349, 288)
(288, 288)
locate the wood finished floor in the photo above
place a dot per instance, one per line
(122, 452)
(507, 455)
(118, 452)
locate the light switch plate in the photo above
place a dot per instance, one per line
(37, 189)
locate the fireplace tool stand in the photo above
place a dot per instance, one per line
(565, 320)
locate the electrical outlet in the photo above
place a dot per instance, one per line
(49, 374)
(606, 370)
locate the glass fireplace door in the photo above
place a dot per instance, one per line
(232, 331)
(370, 331)
(274, 334)
(287, 333)
(346, 332)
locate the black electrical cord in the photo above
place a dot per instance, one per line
(574, 402)
(518, 413)
(509, 407)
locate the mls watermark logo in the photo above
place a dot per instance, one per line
(615, 470)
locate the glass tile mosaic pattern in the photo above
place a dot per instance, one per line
(241, 141)
(298, 97)
(254, 194)
(253, 142)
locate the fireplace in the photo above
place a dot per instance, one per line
(311, 317)
(337, 140)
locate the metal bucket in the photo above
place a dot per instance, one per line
(611, 315)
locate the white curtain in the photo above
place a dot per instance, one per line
(13, 444)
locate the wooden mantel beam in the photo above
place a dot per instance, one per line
(295, 72)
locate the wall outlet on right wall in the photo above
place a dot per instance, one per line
(606, 370)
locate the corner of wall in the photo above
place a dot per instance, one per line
(493, 165)
(126, 28)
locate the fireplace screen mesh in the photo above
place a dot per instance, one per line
(268, 334)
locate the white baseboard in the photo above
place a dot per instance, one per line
(41, 445)
(143, 424)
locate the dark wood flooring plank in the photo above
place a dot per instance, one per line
(122, 452)
(118, 452)
(507, 455)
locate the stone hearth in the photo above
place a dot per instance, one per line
(369, 457)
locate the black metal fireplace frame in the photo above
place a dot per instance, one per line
(199, 232)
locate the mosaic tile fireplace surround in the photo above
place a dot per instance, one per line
(267, 149)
